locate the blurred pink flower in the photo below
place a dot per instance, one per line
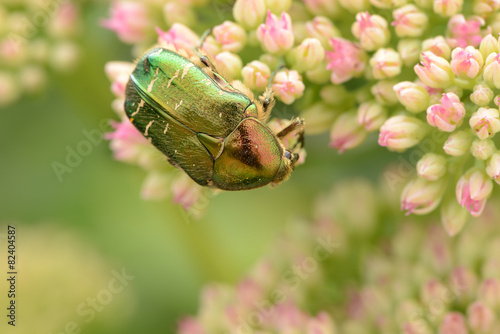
(448, 115)
(288, 86)
(462, 32)
(179, 36)
(129, 20)
(276, 35)
(346, 60)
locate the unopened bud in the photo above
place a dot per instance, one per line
(481, 95)
(371, 30)
(346, 132)
(458, 143)
(431, 166)
(482, 149)
(485, 122)
(412, 96)
(386, 63)
(409, 21)
(249, 13)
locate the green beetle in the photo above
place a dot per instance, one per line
(213, 130)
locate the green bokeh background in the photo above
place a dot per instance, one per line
(170, 257)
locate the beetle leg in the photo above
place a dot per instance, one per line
(267, 99)
(296, 125)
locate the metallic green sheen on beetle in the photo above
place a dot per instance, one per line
(204, 125)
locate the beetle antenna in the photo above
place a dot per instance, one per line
(204, 37)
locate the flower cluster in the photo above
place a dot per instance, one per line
(362, 67)
(35, 37)
(449, 286)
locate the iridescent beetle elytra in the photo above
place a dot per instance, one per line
(212, 129)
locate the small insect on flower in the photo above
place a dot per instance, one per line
(212, 129)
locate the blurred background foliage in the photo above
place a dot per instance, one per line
(98, 206)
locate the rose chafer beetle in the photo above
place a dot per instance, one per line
(212, 129)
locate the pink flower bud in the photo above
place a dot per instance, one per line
(482, 149)
(185, 191)
(346, 60)
(276, 36)
(371, 115)
(384, 93)
(489, 292)
(431, 166)
(435, 71)
(447, 8)
(458, 143)
(492, 70)
(489, 44)
(485, 122)
(288, 86)
(462, 33)
(412, 96)
(480, 317)
(256, 75)
(401, 132)
(324, 7)
(156, 186)
(421, 196)
(129, 20)
(485, 7)
(371, 30)
(175, 12)
(493, 167)
(438, 46)
(178, 37)
(386, 63)
(409, 21)
(229, 63)
(453, 217)
(118, 73)
(448, 115)
(453, 323)
(466, 64)
(249, 13)
(409, 50)
(308, 55)
(473, 189)
(230, 35)
(322, 29)
(346, 133)
(481, 95)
